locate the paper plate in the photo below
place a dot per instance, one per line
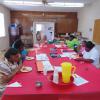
(29, 58)
(61, 84)
(26, 69)
(58, 46)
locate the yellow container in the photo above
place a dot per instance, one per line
(66, 71)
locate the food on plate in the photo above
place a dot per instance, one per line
(26, 69)
(29, 58)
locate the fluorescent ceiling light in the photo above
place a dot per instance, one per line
(12, 2)
(60, 4)
(31, 3)
(26, 3)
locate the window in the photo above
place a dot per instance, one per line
(38, 27)
(2, 26)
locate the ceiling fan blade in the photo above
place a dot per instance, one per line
(44, 2)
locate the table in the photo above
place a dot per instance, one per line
(29, 91)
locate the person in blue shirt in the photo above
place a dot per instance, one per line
(19, 45)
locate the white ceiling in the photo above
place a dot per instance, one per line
(47, 8)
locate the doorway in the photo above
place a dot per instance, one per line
(46, 28)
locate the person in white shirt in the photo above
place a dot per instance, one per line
(90, 54)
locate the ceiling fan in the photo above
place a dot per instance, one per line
(44, 2)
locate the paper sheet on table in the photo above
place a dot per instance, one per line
(42, 57)
(68, 54)
(78, 80)
(48, 65)
(15, 84)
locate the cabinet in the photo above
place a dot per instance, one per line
(66, 25)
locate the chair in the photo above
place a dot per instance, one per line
(27, 40)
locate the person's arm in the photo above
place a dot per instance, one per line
(85, 60)
(7, 78)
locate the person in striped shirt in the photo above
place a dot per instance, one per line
(9, 67)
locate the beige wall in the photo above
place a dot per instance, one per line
(86, 18)
(4, 41)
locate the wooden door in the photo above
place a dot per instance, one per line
(96, 33)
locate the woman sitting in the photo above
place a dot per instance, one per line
(72, 42)
(38, 37)
(41, 39)
(90, 54)
(18, 45)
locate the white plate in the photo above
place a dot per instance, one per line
(29, 58)
(26, 69)
(58, 46)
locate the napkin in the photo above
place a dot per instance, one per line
(48, 65)
(15, 84)
(78, 80)
(58, 68)
(68, 54)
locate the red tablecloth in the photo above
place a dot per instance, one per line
(48, 91)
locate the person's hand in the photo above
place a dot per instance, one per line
(7, 78)
(19, 68)
(80, 54)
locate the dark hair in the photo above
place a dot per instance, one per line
(72, 36)
(38, 35)
(10, 52)
(69, 34)
(18, 44)
(84, 42)
(89, 44)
